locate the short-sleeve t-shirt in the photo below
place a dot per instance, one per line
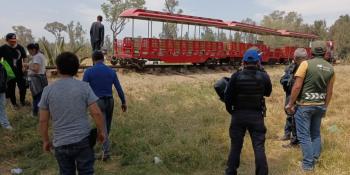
(317, 75)
(14, 57)
(39, 59)
(67, 100)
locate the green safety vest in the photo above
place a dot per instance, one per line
(318, 75)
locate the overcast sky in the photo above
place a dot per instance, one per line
(34, 14)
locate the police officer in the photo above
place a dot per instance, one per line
(244, 100)
(287, 81)
(312, 92)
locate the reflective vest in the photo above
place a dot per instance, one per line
(318, 75)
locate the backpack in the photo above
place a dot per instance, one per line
(3, 79)
(220, 87)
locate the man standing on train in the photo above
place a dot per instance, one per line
(244, 100)
(97, 34)
(312, 92)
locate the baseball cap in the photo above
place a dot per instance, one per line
(251, 56)
(318, 47)
(11, 36)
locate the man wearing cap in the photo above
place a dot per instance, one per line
(244, 100)
(101, 79)
(14, 54)
(287, 81)
(311, 92)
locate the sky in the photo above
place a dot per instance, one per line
(34, 14)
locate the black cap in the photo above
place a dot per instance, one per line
(10, 36)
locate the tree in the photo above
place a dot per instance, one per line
(51, 50)
(56, 29)
(339, 34)
(24, 35)
(208, 34)
(76, 35)
(108, 43)
(249, 37)
(2, 41)
(237, 37)
(320, 29)
(170, 29)
(113, 8)
(291, 21)
(222, 36)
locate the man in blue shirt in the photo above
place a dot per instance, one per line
(101, 79)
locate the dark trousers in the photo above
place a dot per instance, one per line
(75, 157)
(106, 105)
(36, 100)
(96, 45)
(255, 125)
(11, 90)
(290, 127)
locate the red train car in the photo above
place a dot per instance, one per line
(131, 50)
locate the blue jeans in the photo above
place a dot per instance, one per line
(36, 100)
(77, 156)
(3, 117)
(106, 105)
(308, 124)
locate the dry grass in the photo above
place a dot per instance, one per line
(180, 119)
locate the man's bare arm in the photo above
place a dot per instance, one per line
(97, 115)
(44, 128)
(298, 84)
(329, 91)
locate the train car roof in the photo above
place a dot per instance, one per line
(169, 17)
(293, 34)
(250, 28)
(201, 21)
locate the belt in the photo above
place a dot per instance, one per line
(106, 97)
(77, 144)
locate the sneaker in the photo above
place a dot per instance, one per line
(306, 170)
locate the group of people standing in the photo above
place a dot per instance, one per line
(67, 102)
(17, 70)
(308, 84)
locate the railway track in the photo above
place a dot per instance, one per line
(166, 68)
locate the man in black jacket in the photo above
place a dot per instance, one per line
(244, 100)
(97, 32)
(14, 54)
